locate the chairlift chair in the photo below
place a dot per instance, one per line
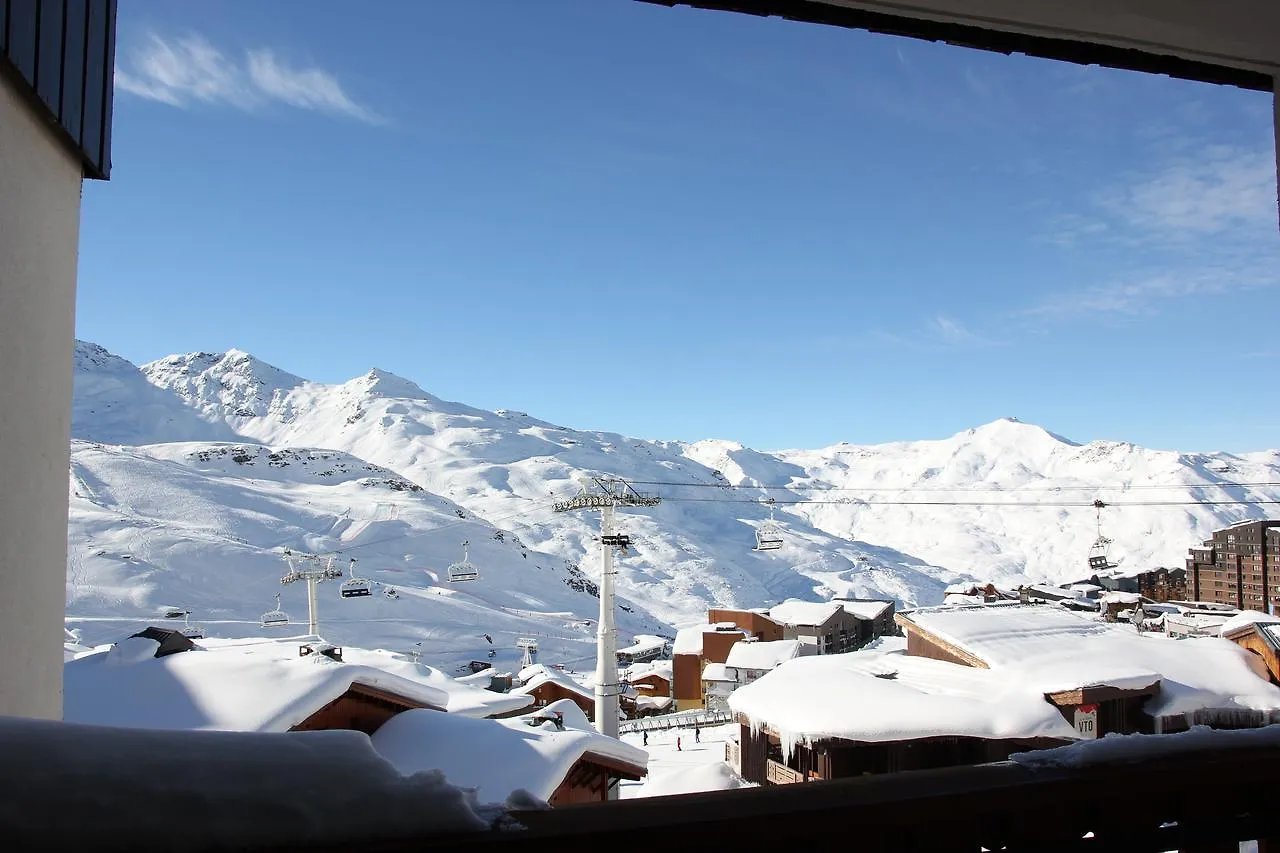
(275, 618)
(769, 537)
(463, 571)
(191, 632)
(354, 587)
(1100, 550)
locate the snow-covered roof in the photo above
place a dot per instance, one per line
(500, 757)
(533, 677)
(1056, 650)
(1121, 598)
(662, 668)
(659, 703)
(258, 685)
(760, 655)
(866, 609)
(870, 696)
(689, 640)
(1245, 618)
(122, 788)
(715, 672)
(794, 612)
(644, 643)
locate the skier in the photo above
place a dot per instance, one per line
(697, 735)
(646, 737)
(678, 745)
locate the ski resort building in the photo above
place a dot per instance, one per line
(1239, 566)
(693, 649)
(549, 686)
(645, 648)
(159, 679)
(1259, 633)
(982, 682)
(553, 754)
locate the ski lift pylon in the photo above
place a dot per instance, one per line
(464, 570)
(769, 536)
(354, 587)
(275, 618)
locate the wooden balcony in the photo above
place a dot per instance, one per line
(1193, 801)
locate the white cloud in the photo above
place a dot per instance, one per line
(952, 332)
(1220, 189)
(179, 71)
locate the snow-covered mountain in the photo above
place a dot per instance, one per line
(877, 520)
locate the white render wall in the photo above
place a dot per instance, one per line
(39, 240)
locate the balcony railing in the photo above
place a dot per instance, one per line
(1191, 800)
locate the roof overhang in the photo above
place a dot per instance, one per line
(1229, 42)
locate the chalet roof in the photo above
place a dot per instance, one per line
(661, 668)
(870, 696)
(865, 609)
(1244, 619)
(257, 685)
(500, 757)
(762, 655)
(533, 677)
(794, 612)
(644, 643)
(715, 672)
(689, 640)
(1056, 650)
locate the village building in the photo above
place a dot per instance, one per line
(650, 679)
(553, 754)
(837, 716)
(755, 623)
(827, 626)
(1158, 584)
(717, 685)
(980, 682)
(749, 660)
(1259, 633)
(874, 615)
(155, 680)
(1138, 682)
(547, 686)
(1121, 606)
(693, 649)
(1238, 566)
(645, 648)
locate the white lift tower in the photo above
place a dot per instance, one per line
(313, 569)
(608, 494)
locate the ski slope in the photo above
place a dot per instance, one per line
(397, 477)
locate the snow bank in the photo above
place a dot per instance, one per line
(260, 686)
(498, 758)
(715, 776)
(96, 788)
(869, 696)
(1118, 749)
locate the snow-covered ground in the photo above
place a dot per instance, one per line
(695, 766)
(191, 473)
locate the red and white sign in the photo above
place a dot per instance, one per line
(1087, 721)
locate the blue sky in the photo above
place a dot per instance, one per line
(684, 224)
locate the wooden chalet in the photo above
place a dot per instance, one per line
(1261, 637)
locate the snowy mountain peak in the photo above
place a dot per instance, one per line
(1012, 429)
(380, 383)
(234, 384)
(91, 358)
